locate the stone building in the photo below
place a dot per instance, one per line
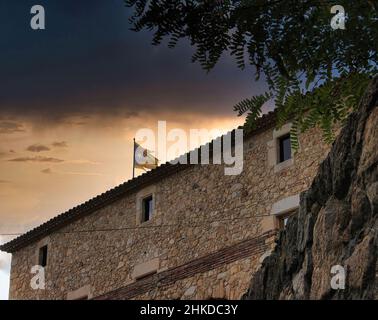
(176, 232)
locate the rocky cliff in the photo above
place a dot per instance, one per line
(337, 223)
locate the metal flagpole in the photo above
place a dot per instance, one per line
(133, 158)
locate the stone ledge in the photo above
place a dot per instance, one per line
(146, 268)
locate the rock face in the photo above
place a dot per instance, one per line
(337, 223)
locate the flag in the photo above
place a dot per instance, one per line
(143, 158)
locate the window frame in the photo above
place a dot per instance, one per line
(282, 217)
(273, 150)
(284, 208)
(142, 194)
(281, 148)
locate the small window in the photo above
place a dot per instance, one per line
(284, 148)
(282, 219)
(147, 208)
(43, 256)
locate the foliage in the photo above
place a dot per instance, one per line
(315, 74)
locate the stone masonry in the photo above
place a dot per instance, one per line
(208, 235)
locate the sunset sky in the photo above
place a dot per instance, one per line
(72, 97)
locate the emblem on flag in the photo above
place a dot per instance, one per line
(143, 158)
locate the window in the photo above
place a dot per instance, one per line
(280, 155)
(283, 218)
(145, 203)
(147, 209)
(43, 256)
(282, 221)
(284, 148)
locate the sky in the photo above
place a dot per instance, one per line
(73, 96)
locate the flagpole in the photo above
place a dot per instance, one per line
(133, 158)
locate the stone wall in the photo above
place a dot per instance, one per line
(197, 212)
(221, 274)
(337, 224)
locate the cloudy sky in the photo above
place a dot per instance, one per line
(72, 97)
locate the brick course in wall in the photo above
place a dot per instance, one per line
(248, 248)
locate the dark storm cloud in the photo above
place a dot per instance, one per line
(88, 62)
(36, 159)
(37, 148)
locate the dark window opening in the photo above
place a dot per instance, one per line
(147, 209)
(283, 219)
(284, 148)
(43, 256)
